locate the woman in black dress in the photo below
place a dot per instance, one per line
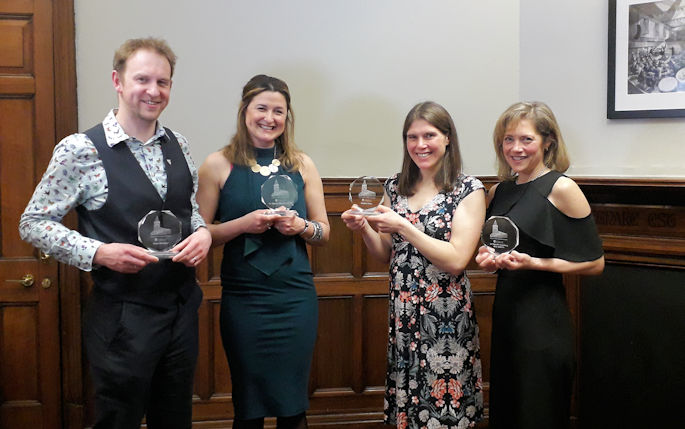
(268, 302)
(533, 361)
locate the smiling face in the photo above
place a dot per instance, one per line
(265, 118)
(143, 88)
(426, 146)
(524, 148)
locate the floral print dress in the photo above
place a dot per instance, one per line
(434, 370)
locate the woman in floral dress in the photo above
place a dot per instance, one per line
(428, 229)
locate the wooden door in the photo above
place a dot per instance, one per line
(29, 304)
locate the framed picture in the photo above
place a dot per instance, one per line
(646, 67)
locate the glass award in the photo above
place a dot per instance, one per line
(277, 192)
(367, 193)
(500, 235)
(159, 231)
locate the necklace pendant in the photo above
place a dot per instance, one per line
(273, 168)
(275, 162)
(264, 171)
(255, 168)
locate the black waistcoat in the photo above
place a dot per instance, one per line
(130, 197)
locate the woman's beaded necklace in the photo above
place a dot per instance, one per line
(266, 170)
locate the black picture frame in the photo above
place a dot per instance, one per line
(638, 69)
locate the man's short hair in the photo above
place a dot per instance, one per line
(131, 46)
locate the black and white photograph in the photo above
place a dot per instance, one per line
(646, 59)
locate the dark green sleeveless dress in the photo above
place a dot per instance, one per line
(268, 304)
(533, 359)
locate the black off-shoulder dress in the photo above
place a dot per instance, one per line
(533, 359)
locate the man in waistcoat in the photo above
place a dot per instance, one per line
(140, 327)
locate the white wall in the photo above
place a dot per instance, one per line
(354, 67)
(564, 62)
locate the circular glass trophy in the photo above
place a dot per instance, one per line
(500, 235)
(367, 193)
(159, 231)
(279, 191)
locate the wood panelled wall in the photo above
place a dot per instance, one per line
(642, 223)
(632, 318)
(628, 367)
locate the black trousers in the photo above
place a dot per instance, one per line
(142, 361)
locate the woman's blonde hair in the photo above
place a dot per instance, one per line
(545, 123)
(240, 150)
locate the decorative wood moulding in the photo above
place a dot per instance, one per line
(641, 221)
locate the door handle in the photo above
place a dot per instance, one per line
(26, 281)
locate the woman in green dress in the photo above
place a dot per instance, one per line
(268, 305)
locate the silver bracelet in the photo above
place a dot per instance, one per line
(318, 231)
(306, 225)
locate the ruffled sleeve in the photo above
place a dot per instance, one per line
(571, 239)
(576, 240)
